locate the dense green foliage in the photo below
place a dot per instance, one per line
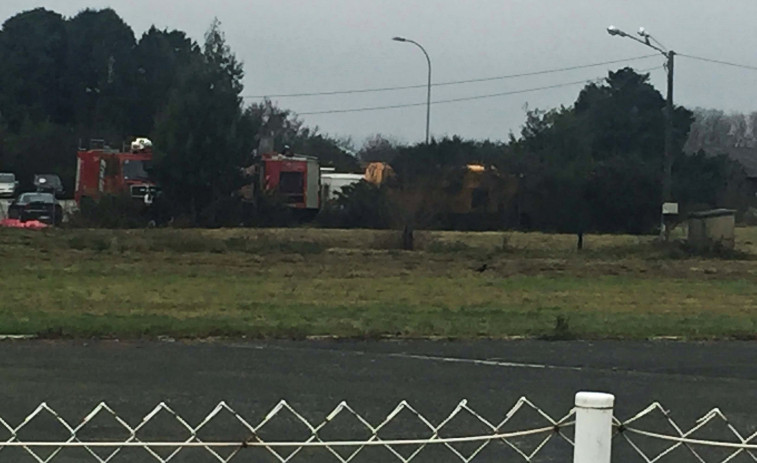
(418, 161)
(593, 166)
(201, 134)
(69, 80)
(360, 205)
(597, 166)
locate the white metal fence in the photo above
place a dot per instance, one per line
(588, 431)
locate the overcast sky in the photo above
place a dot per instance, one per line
(294, 46)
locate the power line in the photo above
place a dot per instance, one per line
(454, 82)
(456, 100)
(726, 63)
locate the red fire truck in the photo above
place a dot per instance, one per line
(103, 170)
(294, 179)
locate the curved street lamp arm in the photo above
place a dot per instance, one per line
(428, 60)
(428, 91)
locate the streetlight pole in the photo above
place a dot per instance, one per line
(428, 92)
(666, 188)
(667, 196)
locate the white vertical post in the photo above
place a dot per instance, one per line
(593, 427)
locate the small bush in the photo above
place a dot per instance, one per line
(110, 211)
(225, 212)
(360, 205)
(506, 246)
(562, 330)
(269, 211)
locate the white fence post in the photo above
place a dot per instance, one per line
(593, 427)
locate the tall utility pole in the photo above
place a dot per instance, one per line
(667, 206)
(428, 88)
(666, 185)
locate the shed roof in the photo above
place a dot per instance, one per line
(712, 213)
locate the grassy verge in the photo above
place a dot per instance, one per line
(297, 283)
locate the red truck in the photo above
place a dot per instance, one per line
(103, 170)
(295, 179)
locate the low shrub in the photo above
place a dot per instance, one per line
(110, 211)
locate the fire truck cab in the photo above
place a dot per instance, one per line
(103, 170)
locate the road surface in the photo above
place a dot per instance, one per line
(314, 376)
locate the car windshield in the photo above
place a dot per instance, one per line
(134, 170)
(7, 178)
(27, 198)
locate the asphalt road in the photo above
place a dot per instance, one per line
(689, 379)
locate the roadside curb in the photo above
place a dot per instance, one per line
(17, 337)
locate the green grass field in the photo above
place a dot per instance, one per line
(312, 282)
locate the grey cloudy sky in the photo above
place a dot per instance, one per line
(291, 46)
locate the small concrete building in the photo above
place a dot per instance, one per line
(712, 229)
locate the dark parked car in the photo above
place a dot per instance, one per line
(36, 206)
(8, 185)
(49, 183)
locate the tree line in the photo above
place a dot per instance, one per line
(66, 81)
(595, 165)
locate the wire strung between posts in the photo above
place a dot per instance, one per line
(690, 441)
(453, 82)
(377, 442)
(468, 98)
(716, 61)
